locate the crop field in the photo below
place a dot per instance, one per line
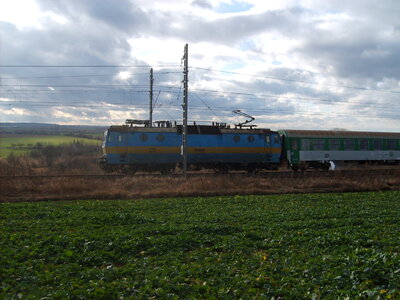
(20, 144)
(283, 246)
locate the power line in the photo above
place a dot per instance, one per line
(299, 81)
(256, 97)
(209, 108)
(202, 107)
(276, 113)
(80, 85)
(90, 66)
(79, 76)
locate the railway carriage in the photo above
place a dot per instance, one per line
(316, 148)
(134, 148)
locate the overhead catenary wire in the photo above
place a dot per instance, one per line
(297, 81)
(125, 88)
(83, 76)
(91, 66)
(170, 90)
(172, 87)
(272, 111)
(208, 107)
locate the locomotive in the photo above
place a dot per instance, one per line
(132, 148)
(137, 146)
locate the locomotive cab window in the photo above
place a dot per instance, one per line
(121, 138)
(110, 137)
(276, 139)
(267, 140)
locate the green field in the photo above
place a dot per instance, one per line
(22, 144)
(287, 247)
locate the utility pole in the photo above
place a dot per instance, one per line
(151, 98)
(185, 108)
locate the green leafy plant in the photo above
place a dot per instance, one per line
(287, 246)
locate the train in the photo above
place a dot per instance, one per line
(138, 147)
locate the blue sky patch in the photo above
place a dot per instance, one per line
(234, 7)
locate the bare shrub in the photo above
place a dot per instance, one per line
(16, 165)
(71, 158)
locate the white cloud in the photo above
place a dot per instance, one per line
(319, 64)
(13, 111)
(24, 13)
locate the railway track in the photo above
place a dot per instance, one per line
(276, 174)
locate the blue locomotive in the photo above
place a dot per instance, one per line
(136, 146)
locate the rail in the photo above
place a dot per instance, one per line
(271, 174)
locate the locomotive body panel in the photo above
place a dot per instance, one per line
(162, 146)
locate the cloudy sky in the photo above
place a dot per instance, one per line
(300, 64)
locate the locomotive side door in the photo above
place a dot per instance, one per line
(122, 147)
(267, 147)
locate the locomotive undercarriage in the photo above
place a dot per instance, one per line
(326, 165)
(219, 168)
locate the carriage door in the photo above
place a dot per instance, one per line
(294, 146)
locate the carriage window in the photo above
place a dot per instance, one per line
(305, 144)
(267, 139)
(391, 144)
(349, 145)
(334, 144)
(120, 138)
(250, 138)
(318, 144)
(377, 144)
(144, 137)
(160, 138)
(236, 138)
(294, 145)
(364, 145)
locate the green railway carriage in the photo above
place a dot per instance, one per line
(316, 148)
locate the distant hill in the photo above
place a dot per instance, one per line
(53, 129)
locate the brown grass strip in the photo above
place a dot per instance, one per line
(31, 189)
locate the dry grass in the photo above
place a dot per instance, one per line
(175, 186)
(80, 160)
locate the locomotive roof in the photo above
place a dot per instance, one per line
(192, 129)
(338, 134)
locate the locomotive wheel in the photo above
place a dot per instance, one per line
(128, 170)
(251, 169)
(221, 169)
(165, 170)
